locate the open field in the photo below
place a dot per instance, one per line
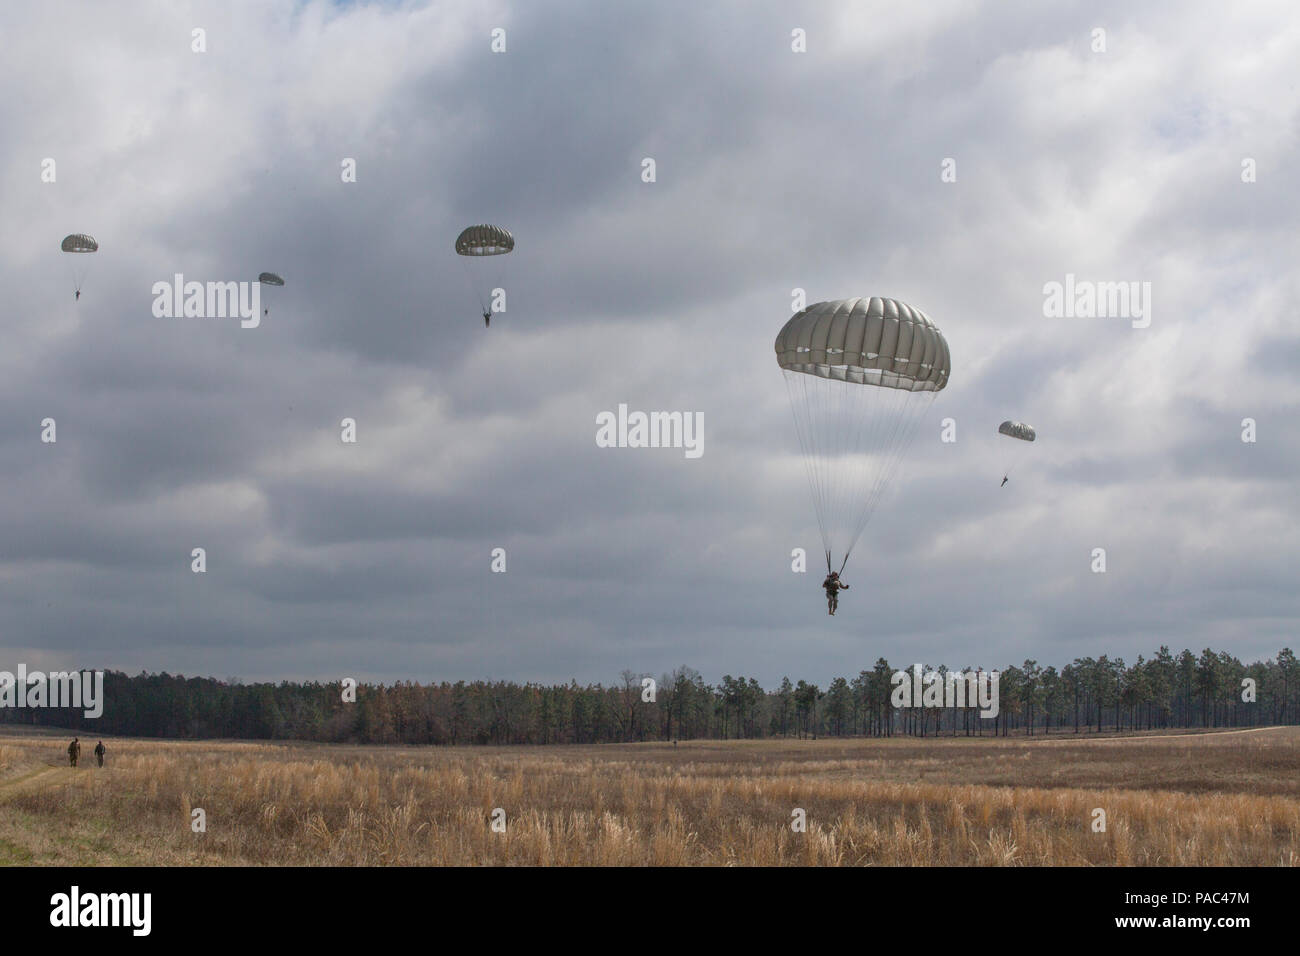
(1229, 798)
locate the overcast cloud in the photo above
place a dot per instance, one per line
(776, 170)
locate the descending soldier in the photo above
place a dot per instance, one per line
(78, 245)
(74, 751)
(269, 279)
(1024, 435)
(833, 586)
(483, 242)
(99, 753)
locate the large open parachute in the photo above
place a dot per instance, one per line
(79, 244)
(477, 242)
(860, 374)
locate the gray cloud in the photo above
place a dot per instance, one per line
(776, 171)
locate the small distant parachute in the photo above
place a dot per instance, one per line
(1017, 430)
(269, 278)
(79, 243)
(480, 241)
(484, 241)
(1011, 455)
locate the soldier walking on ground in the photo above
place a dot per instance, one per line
(74, 750)
(99, 753)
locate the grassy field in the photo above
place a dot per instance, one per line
(1207, 799)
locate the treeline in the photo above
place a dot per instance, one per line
(1088, 695)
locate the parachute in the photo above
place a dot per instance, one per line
(271, 279)
(79, 244)
(481, 241)
(860, 374)
(1012, 456)
(1017, 430)
(484, 241)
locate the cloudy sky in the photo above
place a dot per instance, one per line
(775, 171)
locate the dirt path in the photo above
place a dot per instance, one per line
(1209, 735)
(36, 779)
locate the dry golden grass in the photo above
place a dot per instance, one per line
(1229, 799)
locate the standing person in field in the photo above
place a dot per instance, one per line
(99, 753)
(74, 751)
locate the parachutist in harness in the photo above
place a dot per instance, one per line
(833, 586)
(860, 373)
(78, 295)
(480, 241)
(1021, 432)
(269, 279)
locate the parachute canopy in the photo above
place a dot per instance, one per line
(79, 268)
(867, 342)
(860, 374)
(1018, 430)
(484, 241)
(270, 278)
(78, 242)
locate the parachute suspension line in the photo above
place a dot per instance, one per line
(472, 284)
(908, 410)
(797, 388)
(853, 438)
(79, 271)
(1015, 458)
(827, 434)
(911, 409)
(877, 410)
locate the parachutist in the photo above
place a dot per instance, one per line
(1021, 432)
(480, 241)
(78, 244)
(270, 279)
(833, 586)
(857, 403)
